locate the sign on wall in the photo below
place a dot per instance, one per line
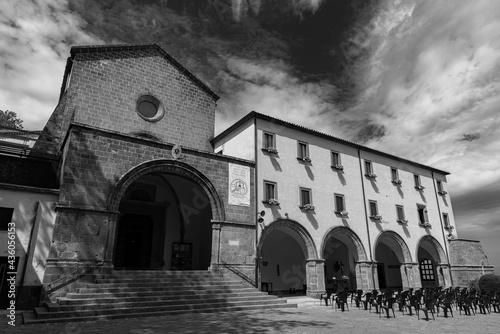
(239, 185)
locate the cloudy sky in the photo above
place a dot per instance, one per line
(419, 79)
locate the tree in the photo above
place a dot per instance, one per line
(10, 119)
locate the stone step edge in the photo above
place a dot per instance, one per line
(55, 307)
(43, 313)
(30, 318)
(113, 299)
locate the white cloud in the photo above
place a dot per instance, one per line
(430, 75)
(35, 41)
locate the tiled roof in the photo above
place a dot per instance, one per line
(277, 121)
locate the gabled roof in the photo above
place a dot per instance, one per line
(277, 121)
(135, 47)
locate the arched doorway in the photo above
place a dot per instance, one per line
(390, 253)
(284, 250)
(342, 251)
(430, 255)
(164, 221)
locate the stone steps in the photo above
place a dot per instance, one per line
(153, 293)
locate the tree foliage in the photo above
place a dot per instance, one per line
(9, 119)
(489, 283)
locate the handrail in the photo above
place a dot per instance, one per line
(70, 278)
(239, 273)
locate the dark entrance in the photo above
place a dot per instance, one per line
(164, 223)
(135, 235)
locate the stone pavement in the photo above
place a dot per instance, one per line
(308, 318)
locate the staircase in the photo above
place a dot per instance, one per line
(136, 293)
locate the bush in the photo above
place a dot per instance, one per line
(489, 283)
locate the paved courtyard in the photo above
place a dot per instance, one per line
(308, 318)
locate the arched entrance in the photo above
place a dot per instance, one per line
(164, 222)
(430, 262)
(342, 251)
(287, 258)
(391, 253)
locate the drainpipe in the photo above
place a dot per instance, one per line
(256, 187)
(441, 221)
(366, 214)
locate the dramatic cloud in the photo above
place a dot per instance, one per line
(35, 42)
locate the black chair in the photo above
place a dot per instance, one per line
(427, 307)
(366, 301)
(388, 305)
(341, 301)
(327, 296)
(413, 301)
(357, 297)
(446, 304)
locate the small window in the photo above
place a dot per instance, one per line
(427, 270)
(305, 197)
(269, 140)
(423, 218)
(446, 220)
(5, 218)
(394, 174)
(368, 167)
(336, 158)
(270, 191)
(440, 188)
(339, 203)
(373, 208)
(416, 177)
(400, 211)
(303, 151)
(149, 108)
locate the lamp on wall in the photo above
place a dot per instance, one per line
(260, 219)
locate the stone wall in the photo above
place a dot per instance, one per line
(467, 261)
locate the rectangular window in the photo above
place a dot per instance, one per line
(368, 167)
(270, 191)
(5, 218)
(303, 150)
(335, 158)
(305, 196)
(394, 174)
(440, 188)
(269, 140)
(339, 203)
(416, 177)
(446, 220)
(373, 208)
(400, 212)
(423, 218)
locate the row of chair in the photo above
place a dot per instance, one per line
(429, 301)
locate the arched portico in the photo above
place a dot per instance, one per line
(288, 258)
(345, 255)
(433, 266)
(394, 262)
(174, 180)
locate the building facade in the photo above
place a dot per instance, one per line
(127, 174)
(337, 214)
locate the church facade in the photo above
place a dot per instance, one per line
(137, 180)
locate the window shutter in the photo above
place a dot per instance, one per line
(426, 217)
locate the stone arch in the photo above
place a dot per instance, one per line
(169, 167)
(312, 252)
(399, 240)
(353, 237)
(437, 246)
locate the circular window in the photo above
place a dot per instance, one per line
(149, 108)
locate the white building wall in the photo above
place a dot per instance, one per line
(33, 216)
(240, 143)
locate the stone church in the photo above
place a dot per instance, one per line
(127, 174)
